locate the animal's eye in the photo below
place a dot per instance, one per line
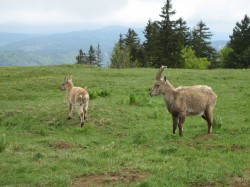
(157, 85)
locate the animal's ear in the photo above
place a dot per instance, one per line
(66, 79)
(165, 78)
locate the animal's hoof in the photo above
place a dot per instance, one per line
(82, 125)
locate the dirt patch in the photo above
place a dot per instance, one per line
(110, 178)
(120, 135)
(239, 182)
(12, 113)
(206, 137)
(202, 185)
(186, 143)
(233, 147)
(60, 145)
(236, 147)
(101, 123)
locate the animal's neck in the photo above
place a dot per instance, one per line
(169, 94)
(169, 88)
(69, 88)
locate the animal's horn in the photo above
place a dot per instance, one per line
(158, 74)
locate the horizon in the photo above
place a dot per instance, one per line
(63, 16)
(138, 30)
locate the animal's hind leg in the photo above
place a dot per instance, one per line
(181, 122)
(82, 119)
(81, 114)
(209, 119)
(204, 117)
(70, 111)
(85, 114)
(85, 107)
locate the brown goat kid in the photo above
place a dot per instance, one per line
(78, 97)
(185, 101)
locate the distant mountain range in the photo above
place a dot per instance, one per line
(61, 48)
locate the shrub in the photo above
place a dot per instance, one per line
(104, 93)
(99, 93)
(139, 100)
(217, 122)
(192, 62)
(93, 94)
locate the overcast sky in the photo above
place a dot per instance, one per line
(39, 16)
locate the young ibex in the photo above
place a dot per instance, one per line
(185, 101)
(78, 97)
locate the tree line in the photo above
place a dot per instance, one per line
(93, 57)
(170, 42)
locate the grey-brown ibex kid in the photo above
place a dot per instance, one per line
(77, 97)
(185, 101)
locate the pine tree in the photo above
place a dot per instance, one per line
(132, 43)
(240, 44)
(170, 37)
(91, 55)
(99, 56)
(200, 43)
(152, 44)
(183, 32)
(121, 42)
(81, 58)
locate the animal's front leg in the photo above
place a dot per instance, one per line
(70, 111)
(175, 122)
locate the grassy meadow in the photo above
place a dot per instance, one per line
(127, 139)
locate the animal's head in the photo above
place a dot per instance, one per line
(158, 87)
(66, 83)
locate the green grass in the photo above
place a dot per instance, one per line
(126, 130)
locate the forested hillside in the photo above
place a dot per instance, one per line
(25, 50)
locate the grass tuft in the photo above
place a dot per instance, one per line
(169, 150)
(2, 142)
(139, 138)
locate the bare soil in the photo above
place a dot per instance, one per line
(110, 178)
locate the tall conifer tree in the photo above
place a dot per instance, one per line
(170, 37)
(200, 42)
(240, 43)
(92, 55)
(99, 56)
(152, 43)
